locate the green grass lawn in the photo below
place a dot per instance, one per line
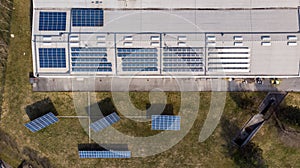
(56, 146)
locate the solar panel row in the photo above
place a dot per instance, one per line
(137, 50)
(165, 122)
(91, 70)
(52, 21)
(87, 17)
(41, 122)
(92, 59)
(137, 69)
(138, 59)
(52, 57)
(228, 59)
(104, 154)
(105, 122)
(181, 59)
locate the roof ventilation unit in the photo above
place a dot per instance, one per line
(266, 44)
(182, 38)
(128, 38)
(155, 38)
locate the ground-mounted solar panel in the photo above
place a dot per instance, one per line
(105, 122)
(165, 122)
(52, 57)
(87, 17)
(52, 21)
(41, 122)
(104, 154)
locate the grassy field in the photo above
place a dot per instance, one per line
(56, 146)
(5, 15)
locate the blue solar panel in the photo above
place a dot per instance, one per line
(105, 122)
(52, 21)
(165, 122)
(41, 122)
(138, 59)
(137, 50)
(52, 57)
(104, 154)
(183, 59)
(91, 70)
(149, 69)
(87, 17)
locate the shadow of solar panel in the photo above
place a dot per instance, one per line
(52, 21)
(105, 122)
(104, 154)
(165, 122)
(41, 122)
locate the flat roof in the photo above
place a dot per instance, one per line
(167, 4)
(177, 42)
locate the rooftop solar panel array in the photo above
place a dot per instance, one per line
(52, 21)
(87, 17)
(138, 59)
(41, 122)
(104, 154)
(92, 59)
(52, 57)
(183, 59)
(105, 122)
(165, 122)
(229, 59)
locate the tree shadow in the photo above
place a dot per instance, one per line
(289, 115)
(102, 147)
(249, 156)
(35, 159)
(40, 108)
(159, 109)
(100, 109)
(245, 101)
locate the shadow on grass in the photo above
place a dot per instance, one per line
(249, 156)
(35, 159)
(289, 115)
(242, 100)
(159, 109)
(40, 108)
(100, 109)
(102, 147)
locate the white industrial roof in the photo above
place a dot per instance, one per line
(279, 20)
(166, 4)
(252, 42)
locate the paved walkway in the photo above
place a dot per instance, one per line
(166, 84)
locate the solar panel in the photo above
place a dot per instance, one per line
(104, 154)
(105, 122)
(41, 122)
(52, 57)
(52, 21)
(165, 122)
(87, 17)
